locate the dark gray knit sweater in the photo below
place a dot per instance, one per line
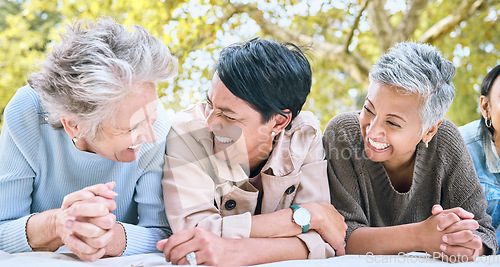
(443, 174)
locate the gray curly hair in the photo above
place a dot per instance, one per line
(94, 67)
(416, 68)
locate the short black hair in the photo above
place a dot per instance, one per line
(268, 75)
(486, 88)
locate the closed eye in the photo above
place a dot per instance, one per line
(394, 124)
(368, 110)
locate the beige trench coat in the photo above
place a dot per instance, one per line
(202, 190)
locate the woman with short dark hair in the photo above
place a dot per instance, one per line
(248, 164)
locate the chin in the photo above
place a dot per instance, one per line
(374, 156)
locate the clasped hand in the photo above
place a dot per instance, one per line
(84, 223)
(451, 234)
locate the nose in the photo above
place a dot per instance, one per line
(213, 122)
(375, 129)
(147, 134)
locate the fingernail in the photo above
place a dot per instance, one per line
(69, 224)
(114, 194)
(443, 248)
(445, 239)
(438, 228)
(111, 185)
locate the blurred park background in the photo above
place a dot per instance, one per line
(344, 38)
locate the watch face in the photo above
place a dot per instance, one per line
(302, 217)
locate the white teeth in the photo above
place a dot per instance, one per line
(223, 139)
(378, 145)
(134, 146)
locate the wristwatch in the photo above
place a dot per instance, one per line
(301, 217)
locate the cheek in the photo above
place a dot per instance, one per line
(364, 123)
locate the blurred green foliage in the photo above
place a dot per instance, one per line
(196, 30)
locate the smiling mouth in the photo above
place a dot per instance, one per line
(134, 146)
(378, 145)
(224, 140)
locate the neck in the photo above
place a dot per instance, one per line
(257, 163)
(401, 173)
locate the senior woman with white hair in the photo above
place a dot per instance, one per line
(399, 172)
(87, 124)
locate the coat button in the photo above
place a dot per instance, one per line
(230, 204)
(290, 190)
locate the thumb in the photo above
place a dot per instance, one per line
(436, 209)
(160, 245)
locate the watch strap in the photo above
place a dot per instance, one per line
(305, 228)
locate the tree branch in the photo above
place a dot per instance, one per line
(380, 24)
(355, 26)
(356, 66)
(410, 20)
(447, 24)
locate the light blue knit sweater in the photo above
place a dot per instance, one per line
(39, 165)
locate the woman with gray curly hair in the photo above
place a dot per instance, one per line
(399, 172)
(84, 126)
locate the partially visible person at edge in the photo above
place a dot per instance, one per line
(483, 142)
(87, 124)
(242, 169)
(399, 172)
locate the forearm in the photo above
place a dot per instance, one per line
(41, 232)
(384, 240)
(276, 224)
(251, 251)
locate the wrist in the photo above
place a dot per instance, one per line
(118, 243)
(41, 231)
(302, 217)
(417, 239)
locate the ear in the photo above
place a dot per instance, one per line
(70, 126)
(431, 132)
(281, 121)
(484, 104)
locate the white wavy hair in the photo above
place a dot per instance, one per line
(94, 67)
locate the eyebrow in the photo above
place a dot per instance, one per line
(226, 110)
(391, 115)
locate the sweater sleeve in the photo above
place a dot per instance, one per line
(341, 149)
(18, 150)
(152, 225)
(464, 189)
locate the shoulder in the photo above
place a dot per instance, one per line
(343, 127)
(24, 114)
(343, 121)
(449, 134)
(305, 122)
(24, 104)
(187, 133)
(190, 119)
(471, 132)
(451, 149)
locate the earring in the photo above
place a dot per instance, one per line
(426, 144)
(273, 134)
(488, 123)
(74, 140)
